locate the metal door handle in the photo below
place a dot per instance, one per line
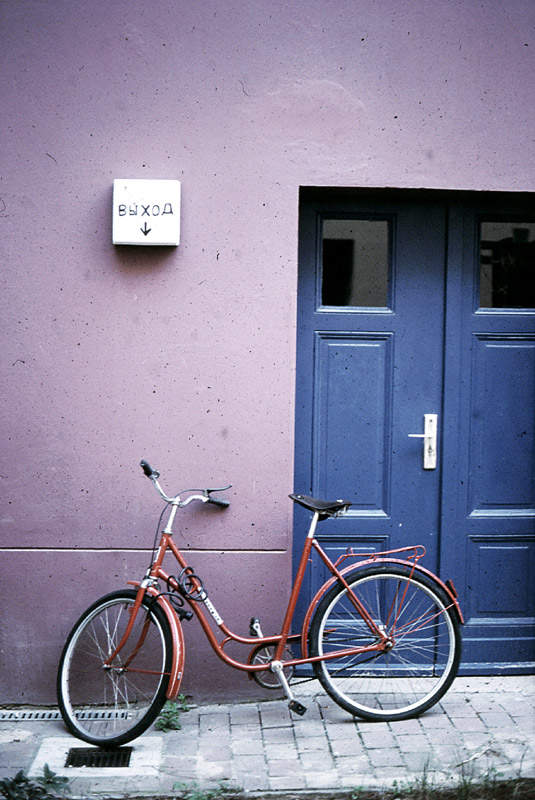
(430, 440)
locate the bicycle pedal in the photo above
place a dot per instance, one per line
(297, 708)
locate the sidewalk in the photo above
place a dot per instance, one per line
(483, 726)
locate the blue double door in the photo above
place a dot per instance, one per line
(416, 316)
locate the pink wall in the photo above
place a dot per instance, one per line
(186, 355)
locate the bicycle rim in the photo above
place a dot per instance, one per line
(111, 705)
(422, 662)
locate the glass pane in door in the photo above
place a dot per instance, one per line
(355, 263)
(507, 264)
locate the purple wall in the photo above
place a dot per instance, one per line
(186, 355)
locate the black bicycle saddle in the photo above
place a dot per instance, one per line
(325, 508)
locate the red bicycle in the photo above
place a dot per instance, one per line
(382, 635)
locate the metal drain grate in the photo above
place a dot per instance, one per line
(26, 715)
(93, 757)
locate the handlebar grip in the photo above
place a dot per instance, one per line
(146, 467)
(215, 501)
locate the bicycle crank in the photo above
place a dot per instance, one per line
(293, 704)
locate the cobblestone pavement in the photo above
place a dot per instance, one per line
(483, 726)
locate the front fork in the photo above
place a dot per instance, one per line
(177, 666)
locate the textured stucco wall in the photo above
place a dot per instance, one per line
(186, 355)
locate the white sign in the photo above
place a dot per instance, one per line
(146, 211)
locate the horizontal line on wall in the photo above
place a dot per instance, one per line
(124, 550)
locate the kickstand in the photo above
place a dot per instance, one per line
(293, 704)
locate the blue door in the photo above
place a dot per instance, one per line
(416, 313)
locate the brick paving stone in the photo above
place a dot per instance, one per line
(181, 743)
(181, 769)
(417, 762)
(353, 765)
(485, 702)
(247, 747)
(215, 738)
(216, 753)
(312, 743)
(436, 721)
(475, 740)
(244, 715)
(278, 735)
(278, 717)
(447, 756)
(471, 723)
(282, 767)
(214, 770)
(388, 757)
(320, 760)
(404, 726)
(322, 780)
(413, 743)
(309, 727)
(341, 730)
(251, 782)
(284, 783)
(245, 768)
(214, 722)
(347, 747)
(273, 752)
(458, 708)
(382, 737)
(496, 719)
(526, 724)
(517, 707)
(214, 709)
(444, 736)
(246, 731)
(333, 713)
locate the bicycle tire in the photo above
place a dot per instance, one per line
(109, 706)
(416, 672)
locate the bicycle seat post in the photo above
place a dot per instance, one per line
(313, 525)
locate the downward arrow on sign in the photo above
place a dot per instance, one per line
(145, 230)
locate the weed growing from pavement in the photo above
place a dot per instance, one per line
(47, 787)
(467, 788)
(192, 791)
(169, 719)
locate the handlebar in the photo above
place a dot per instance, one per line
(215, 501)
(148, 470)
(205, 497)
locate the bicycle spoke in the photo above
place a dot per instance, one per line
(106, 703)
(419, 654)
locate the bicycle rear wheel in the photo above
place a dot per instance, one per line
(425, 653)
(111, 705)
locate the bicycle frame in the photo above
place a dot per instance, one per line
(198, 601)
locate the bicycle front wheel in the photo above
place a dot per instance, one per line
(109, 705)
(425, 644)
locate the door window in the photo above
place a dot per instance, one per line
(355, 263)
(507, 264)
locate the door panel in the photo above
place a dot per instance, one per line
(351, 446)
(403, 311)
(501, 469)
(488, 491)
(367, 374)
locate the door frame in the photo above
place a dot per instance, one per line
(460, 283)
